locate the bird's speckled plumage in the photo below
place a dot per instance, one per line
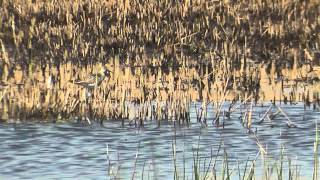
(94, 80)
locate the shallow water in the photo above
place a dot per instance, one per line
(71, 150)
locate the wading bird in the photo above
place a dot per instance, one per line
(94, 80)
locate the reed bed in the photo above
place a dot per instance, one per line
(163, 55)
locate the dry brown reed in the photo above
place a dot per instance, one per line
(164, 55)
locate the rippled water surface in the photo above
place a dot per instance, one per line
(71, 150)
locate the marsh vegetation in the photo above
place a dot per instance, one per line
(163, 55)
(179, 62)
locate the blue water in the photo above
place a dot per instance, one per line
(75, 151)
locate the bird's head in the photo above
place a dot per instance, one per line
(105, 71)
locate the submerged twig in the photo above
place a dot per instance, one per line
(289, 122)
(264, 115)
